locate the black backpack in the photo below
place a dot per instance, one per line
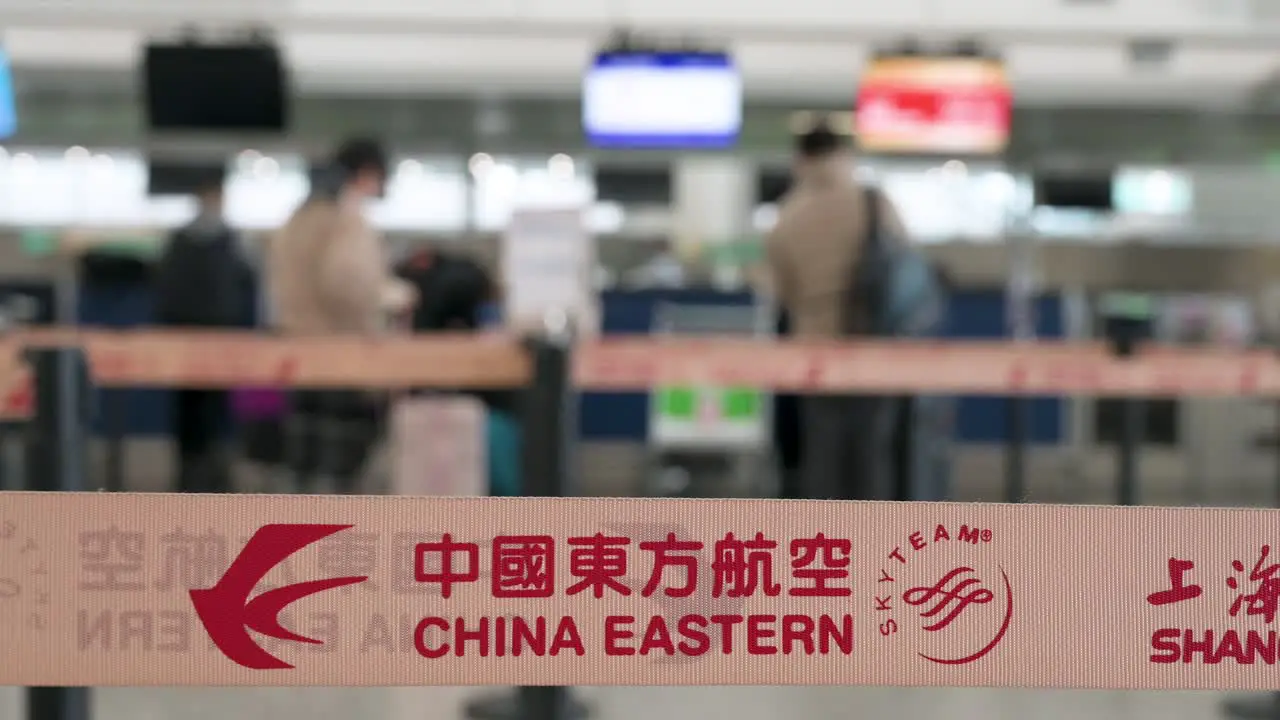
(451, 291)
(202, 280)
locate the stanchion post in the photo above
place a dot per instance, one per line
(1274, 447)
(1124, 339)
(113, 421)
(549, 428)
(1015, 451)
(1262, 707)
(15, 312)
(1020, 296)
(549, 419)
(56, 462)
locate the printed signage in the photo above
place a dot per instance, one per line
(934, 105)
(548, 262)
(138, 589)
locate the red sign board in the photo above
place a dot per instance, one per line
(947, 106)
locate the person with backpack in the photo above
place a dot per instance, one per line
(842, 266)
(203, 280)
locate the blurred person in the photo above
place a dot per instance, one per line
(788, 432)
(203, 280)
(328, 274)
(452, 290)
(817, 257)
(453, 295)
(665, 269)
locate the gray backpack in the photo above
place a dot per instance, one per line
(894, 291)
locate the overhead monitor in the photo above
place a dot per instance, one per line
(771, 185)
(8, 109)
(166, 177)
(662, 100)
(634, 186)
(191, 87)
(929, 105)
(1076, 191)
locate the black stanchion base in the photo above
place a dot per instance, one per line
(509, 706)
(1260, 707)
(58, 703)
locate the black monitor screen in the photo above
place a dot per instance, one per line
(166, 177)
(634, 186)
(1075, 192)
(211, 88)
(771, 185)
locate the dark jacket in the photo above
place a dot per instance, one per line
(452, 293)
(203, 280)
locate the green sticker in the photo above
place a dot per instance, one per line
(679, 403)
(741, 404)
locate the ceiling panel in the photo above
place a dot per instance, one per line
(589, 11)
(1248, 65)
(195, 8)
(1088, 15)
(711, 16)
(1031, 63)
(1206, 21)
(408, 10)
(541, 46)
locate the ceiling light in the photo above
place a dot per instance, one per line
(561, 166)
(247, 159)
(955, 168)
(410, 168)
(504, 174)
(480, 164)
(266, 167)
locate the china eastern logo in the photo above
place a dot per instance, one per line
(229, 613)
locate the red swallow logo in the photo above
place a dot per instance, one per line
(227, 611)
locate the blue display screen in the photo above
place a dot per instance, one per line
(662, 100)
(8, 111)
(664, 60)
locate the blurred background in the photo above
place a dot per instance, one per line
(1059, 159)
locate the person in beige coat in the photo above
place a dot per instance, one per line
(812, 254)
(327, 274)
(327, 269)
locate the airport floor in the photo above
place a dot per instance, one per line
(747, 703)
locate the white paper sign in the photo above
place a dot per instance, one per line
(548, 262)
(438, 447)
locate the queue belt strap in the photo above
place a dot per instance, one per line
(140, 589)
(151, 358)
